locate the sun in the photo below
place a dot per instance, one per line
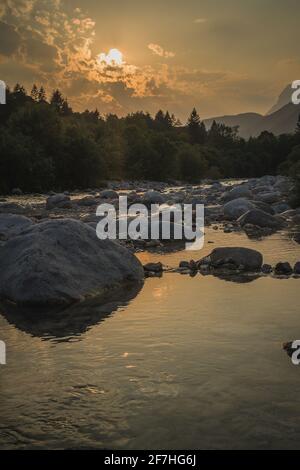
(114, 58)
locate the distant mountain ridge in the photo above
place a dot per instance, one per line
(282, 118)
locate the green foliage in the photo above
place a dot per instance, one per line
(192, 162)
(45, 145)
(196, 128)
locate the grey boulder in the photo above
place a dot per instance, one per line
(234, 209)
(247, 258)
(237, 192)
(109, 194)
(12, 225)
(58, 262)
(154, 197)
(260, 219)
(269, 198)
(61, 201)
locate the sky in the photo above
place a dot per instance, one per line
(122, 56)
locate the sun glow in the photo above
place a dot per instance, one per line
(114, 58)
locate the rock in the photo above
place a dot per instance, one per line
(61, 261)
(262, 189)
(283, 268)
(234, 209)
(61, 201)
(297, 268)
(153, 267)
(243, 258)
(296, 219)
(269, 198)
(288, 348)
(193, 265)
(253, 231)
(154, 197)
(150, 243)
(237, 192)
(184, 265)
(281, 207)
(266, 268)
(261, 219)
(283, 185)
(288, 214)
(296, 238)
(263, 206)
(12, 207)
(17, 192)
(12, 225)
(87, 201)
(109, 194)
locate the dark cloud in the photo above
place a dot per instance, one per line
(10, 39)
(40, 53)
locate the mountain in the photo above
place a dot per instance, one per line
(282, 118)
(247, 122)
(283, 99)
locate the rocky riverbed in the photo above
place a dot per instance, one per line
(50, 254)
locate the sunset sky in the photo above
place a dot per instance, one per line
(222, 56)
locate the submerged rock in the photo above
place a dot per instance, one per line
(153, 267)
(297, 268)
(239, 257)
(12, 225)
(266, 268)
(61, 261)
(283, 268)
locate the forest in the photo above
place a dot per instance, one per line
(45, 145)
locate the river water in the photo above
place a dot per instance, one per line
(189, 362)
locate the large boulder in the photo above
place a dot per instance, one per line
(237, 192)
(61, 201)
(260, 219)
(234, 209)
(61, 261)
(12, 225)
(250, 260)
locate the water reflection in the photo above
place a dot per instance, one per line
(69, 323)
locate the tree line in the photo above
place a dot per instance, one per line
(45, 145)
